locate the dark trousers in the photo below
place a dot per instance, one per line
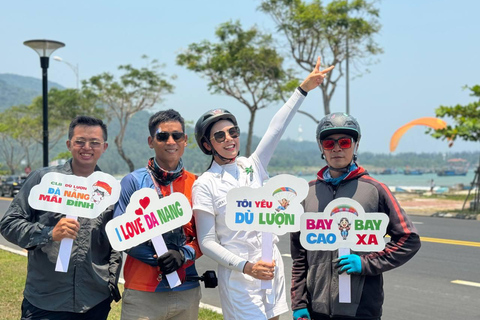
(99, 312)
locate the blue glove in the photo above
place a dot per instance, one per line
(350, 263)
(301, 314)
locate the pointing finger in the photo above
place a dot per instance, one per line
(317, 66)
(328, 70)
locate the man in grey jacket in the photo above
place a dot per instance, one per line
(86, 290)
(314, 291)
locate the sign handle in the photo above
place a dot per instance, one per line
(64, 252)
(161, 248)
(267, 255)
(344, 282)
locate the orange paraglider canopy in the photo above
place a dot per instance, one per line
(434, 123)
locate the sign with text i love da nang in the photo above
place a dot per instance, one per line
(146, 218)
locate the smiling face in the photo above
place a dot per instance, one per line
(337, 157)
(169, 152)
(97, 196)
(228, 148)
(85, 157)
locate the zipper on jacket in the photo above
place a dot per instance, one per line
(74, 286)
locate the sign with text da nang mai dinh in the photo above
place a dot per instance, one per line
(343, 224)
(75, 196)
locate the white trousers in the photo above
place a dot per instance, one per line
(242, 298)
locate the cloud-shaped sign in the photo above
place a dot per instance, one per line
(74, 195)
(275, 207)
(343, 224)
(147, 217)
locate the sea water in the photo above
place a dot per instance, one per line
(423, 180)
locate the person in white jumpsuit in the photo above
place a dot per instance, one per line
(238, 253)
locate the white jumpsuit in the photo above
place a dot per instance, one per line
(240, 294)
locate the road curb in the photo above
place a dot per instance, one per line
(453, 215)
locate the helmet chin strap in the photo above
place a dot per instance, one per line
(215, 153)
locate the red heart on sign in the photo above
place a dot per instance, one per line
(139, 212)
(144, 202)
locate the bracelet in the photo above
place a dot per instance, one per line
(302, 91)
(243, 271)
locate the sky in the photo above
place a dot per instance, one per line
(431, 52)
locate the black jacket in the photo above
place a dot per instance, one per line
(314, 278)
(94, 266)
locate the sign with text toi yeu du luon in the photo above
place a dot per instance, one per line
(344, 225)
(146, 218)
(75, 197)
(274, 208)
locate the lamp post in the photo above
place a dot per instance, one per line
(44, 48)
(73, 67)
(347, 71)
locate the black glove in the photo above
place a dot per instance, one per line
(171, 261)
(114, 292)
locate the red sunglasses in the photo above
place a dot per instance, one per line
(343, 143)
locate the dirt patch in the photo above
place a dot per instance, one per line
(414, 205)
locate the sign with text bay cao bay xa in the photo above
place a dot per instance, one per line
(147, 217)
(343, 224)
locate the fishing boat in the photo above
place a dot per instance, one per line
(455, 167)
(387, 171)
(413, 172)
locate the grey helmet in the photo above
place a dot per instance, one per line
(206, 121)
(338, 122)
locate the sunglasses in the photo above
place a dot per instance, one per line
(163, 136)
(220, 136)
(343, 143)
(94, 144)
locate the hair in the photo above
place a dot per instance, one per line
(163, 116)
(87, 121)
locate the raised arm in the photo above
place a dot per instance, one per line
(282, 118)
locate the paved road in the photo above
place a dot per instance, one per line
(441, 282)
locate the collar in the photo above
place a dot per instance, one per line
(356, 171)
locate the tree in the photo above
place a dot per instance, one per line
(466, 118)
(136, 90)
(312, 30)
(17, 144)
(63, 106)
(21, 126)
(243, 65)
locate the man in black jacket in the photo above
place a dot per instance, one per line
(88, 287)
(314, 289)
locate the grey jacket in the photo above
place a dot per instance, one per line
(94, 266)
(314, 276)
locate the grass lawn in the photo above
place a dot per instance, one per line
(13, 271)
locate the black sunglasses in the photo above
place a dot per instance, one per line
(220, 136)
(163, 136)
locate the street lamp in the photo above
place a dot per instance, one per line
(73, 67)
(44, 48)
(347, 70)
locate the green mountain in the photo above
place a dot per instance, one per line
(16, 90)
(290, 156)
